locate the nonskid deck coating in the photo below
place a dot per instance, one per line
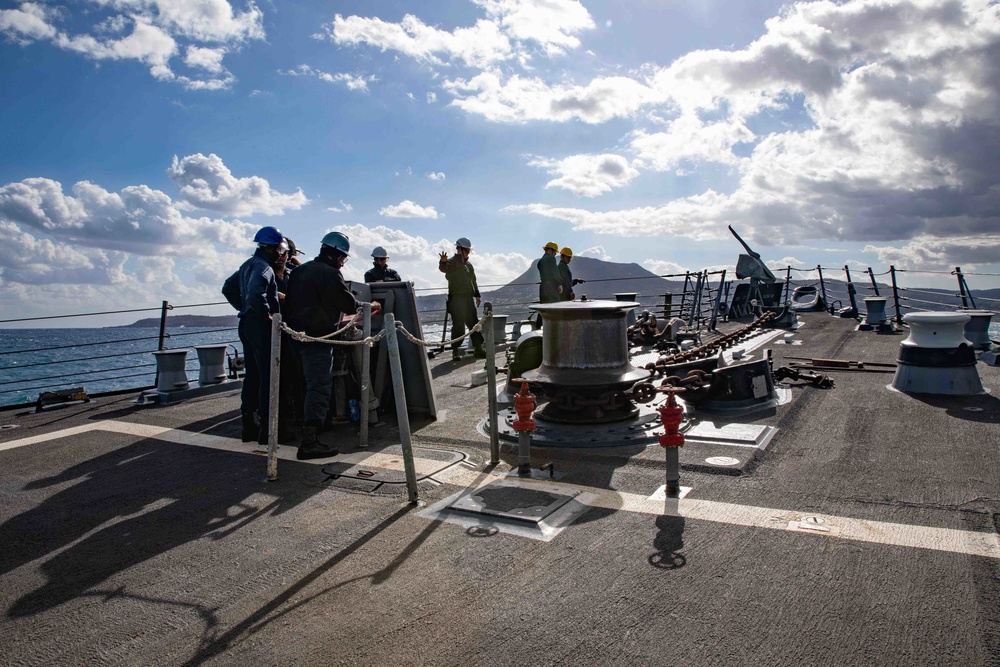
(175, 554)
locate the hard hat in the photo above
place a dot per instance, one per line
(268, 236)
(282, 247)
(337, 241)
(566, 251)
(463, 243)
(551, 245)
(380, 253)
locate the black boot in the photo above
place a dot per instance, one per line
(311, 447)
(479, 352)
(249, 431)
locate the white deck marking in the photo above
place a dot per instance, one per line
(967, 542)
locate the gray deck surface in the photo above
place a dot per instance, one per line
(118, 548)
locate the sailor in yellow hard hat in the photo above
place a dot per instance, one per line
(549, 287)
(566, 279)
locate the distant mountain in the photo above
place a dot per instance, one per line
(222, 321)
(604, 280)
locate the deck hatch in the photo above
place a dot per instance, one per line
(512, 502)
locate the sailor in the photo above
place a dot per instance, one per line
(293, 253)
(253, 290)
(290, 394)
(462, 289)
(566, 280)
(549, 288)
(316, 301)
(381, 272)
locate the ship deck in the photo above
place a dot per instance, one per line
(865, 533)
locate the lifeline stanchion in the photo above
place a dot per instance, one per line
(491, 381)
(672, 439)
(272, 399)
(404, 420)
(366, 360)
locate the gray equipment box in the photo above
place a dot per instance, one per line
(399, 299)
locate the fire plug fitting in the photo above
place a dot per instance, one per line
(671, 415)
(524, 406)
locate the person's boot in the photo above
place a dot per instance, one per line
(310, 447)
(286, 432)
(479, 352)
(264, 433)
(456, 354)
(249, 431)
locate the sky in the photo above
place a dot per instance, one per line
(143, 142)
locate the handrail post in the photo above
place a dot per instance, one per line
(366, 380)
(164, 307)
(871, 274)
(895, 296)
(684, 292)
(695, 301)
(272, 402)
(718, 299)
(491, 380)
(788, 285)
(401, 414)
(851, 291)
(961, 287)
(822, 288)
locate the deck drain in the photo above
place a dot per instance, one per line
(722, 461)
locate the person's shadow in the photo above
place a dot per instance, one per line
(129, 505)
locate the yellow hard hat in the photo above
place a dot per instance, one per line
(566, 251)
(551, 245)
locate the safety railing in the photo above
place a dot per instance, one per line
(103, 360)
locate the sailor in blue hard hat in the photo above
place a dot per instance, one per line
(316, 301)
(253, 290)
(381, 272)
(462, 289)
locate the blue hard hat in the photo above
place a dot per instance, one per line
(268, 236)
(463, 243)
(337, 241)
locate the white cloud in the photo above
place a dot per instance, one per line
(597, 252)
(518, 99)
(479, 45)
(206, 183)
(416, 258)
(351, 81)
(343, 208)
(588, 175)
(436, 175)
(209, 60)
(890, 129)
(431, 98)
(552, 24)
(27, 23)
(689, 139)
(407, 209)
(137, 220)
(208, 29)
(663, 267)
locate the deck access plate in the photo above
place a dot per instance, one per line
(387, 467)
(513, 502)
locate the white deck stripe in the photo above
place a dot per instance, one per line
(971, 543)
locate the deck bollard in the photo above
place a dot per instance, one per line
(524, 405)
(672, 439)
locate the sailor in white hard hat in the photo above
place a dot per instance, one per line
(381, 272)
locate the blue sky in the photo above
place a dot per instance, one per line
(144, 141)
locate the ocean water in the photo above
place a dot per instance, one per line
(33, 361)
